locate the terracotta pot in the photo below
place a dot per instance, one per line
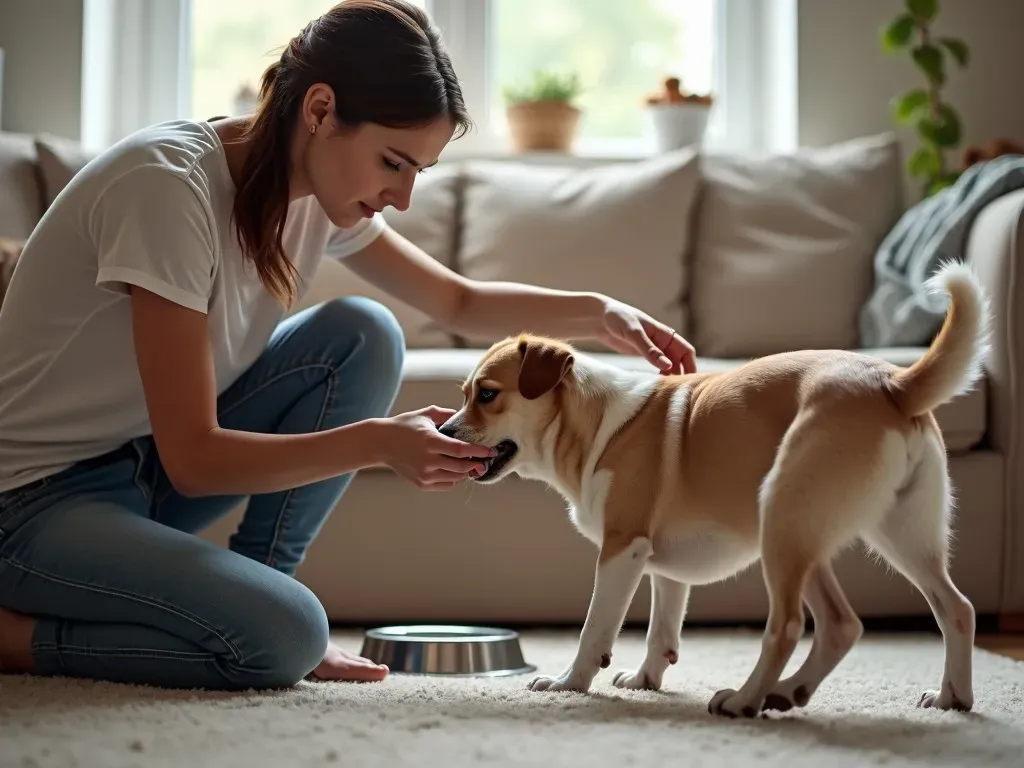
(542, 125)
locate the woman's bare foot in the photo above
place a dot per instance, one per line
(342, 665)
(16, 642)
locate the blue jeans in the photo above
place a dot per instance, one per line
(105, 555)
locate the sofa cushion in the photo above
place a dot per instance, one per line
(21, 203)
(429, 223)
(432, 377)
(621, 229)
(59, 160)
(10, 252)
(786, 243)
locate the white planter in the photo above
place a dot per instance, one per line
(673, 126)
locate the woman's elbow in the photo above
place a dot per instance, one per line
(188, 472)
(189, 481)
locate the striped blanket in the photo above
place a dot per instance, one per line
(899, 312)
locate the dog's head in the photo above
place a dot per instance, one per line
(510, 397)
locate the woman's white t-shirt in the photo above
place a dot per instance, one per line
(152, 211)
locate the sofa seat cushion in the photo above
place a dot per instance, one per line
(433, 377)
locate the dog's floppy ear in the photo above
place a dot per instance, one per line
(542, 366)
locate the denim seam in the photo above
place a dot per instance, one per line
(16, 498)
(137, 653)
(129, 596)
(44, 646)
(284, 512)
(275, 379)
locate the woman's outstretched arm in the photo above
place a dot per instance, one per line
(201, 458)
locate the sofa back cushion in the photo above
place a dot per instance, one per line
(21, 199)
(59, 160)
(10, 252)
(622, 229)
(786, 243)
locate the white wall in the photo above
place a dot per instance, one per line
(42, 89)
(846, 80)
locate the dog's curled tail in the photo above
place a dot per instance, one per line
(953, 363)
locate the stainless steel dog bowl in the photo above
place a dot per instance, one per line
(446, 650)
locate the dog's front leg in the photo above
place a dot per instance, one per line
(668, 606)
(619, 569)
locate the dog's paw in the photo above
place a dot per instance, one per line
(945, 699)
(641, 680)
(784, 696)
(567, 681)
(729, 703)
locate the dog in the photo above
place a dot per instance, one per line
(786, 459)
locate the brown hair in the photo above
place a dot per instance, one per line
(386, 63)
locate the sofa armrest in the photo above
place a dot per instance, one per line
(995, 249)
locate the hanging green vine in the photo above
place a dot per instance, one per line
(936, 122)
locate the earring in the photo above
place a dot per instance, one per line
(312, 128)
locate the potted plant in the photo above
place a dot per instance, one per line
(541, 114)
(937, 124)
(677, 119)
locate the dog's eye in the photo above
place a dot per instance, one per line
(486, 395)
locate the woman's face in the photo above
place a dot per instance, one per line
(356, 173)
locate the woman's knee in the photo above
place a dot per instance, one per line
(283, 638)
(372, 345)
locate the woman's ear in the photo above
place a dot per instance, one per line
(317, 106)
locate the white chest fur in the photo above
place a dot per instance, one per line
(694, 554)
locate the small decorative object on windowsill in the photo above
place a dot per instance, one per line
(676, 119)
(245, 100)
(541, 115)
(990, 150)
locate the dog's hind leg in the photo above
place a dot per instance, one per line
(914, 538)
(785, 572)
(836, 630)
(818, 496)
(668, 606)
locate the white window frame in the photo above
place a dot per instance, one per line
(135, 66)
(137, 54)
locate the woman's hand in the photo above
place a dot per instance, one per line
(412, 446)
(630, 331)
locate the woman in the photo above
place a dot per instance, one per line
(148, 382)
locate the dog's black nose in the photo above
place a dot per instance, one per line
(447, 430)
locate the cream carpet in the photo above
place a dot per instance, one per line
(864, 715)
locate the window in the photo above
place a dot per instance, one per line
(742, 51)
(233, 41)
(620, 51)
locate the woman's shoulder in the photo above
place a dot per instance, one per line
(183, 150)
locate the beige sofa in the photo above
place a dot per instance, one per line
(744, 255)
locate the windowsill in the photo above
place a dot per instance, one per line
(583, 152)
